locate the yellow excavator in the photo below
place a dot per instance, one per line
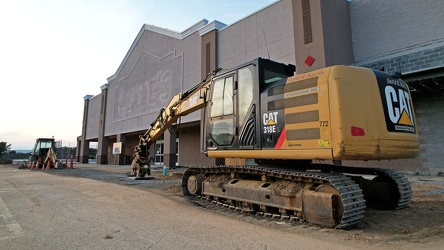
(298, 129)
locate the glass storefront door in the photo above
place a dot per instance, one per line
(158, 153)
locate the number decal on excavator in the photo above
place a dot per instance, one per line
(269, 129)
(323, 123)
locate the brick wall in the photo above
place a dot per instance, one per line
(413, 62)
(381, 27)
(430, 122)
(189, 148)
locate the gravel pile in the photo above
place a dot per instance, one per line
(438, 181)
(156, 181)
(434, 192)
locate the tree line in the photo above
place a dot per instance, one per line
(6, 155)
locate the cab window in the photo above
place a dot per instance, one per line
(222, 97)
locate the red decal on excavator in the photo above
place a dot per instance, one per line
(281, 139)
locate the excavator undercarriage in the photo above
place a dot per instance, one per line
(315, 197)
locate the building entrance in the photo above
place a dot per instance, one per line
(158, 153)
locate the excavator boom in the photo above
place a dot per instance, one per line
(180, 105)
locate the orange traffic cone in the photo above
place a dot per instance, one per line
(48, 165)
(36, 166)
(32, 165)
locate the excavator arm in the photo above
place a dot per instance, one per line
(180, 105)
(50, 156)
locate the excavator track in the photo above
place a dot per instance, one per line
(405, 191)
(325, 199)
(389, 189)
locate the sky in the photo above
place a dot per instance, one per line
(53, 53)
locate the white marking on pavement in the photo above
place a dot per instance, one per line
(15, 229)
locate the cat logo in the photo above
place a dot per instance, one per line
(270, 118)
(397, 105)
(270, 122)
(403, 113)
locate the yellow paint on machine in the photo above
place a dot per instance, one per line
(359, 104)
(305, 95)
(272, 154)
(322, 110)
(347, 97)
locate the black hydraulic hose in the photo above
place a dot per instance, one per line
(188, 92)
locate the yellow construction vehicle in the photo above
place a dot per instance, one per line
(298, 129)
(43, 152)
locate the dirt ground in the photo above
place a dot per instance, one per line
(422, 222)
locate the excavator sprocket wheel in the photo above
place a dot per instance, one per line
(194, 184)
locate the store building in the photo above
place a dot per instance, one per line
(311, 34)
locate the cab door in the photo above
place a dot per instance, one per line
(221, 128)
(232, 112)
(247, 95)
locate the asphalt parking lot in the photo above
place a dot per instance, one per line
(98, 207)
(66, 209)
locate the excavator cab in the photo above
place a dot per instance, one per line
(233, 112)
